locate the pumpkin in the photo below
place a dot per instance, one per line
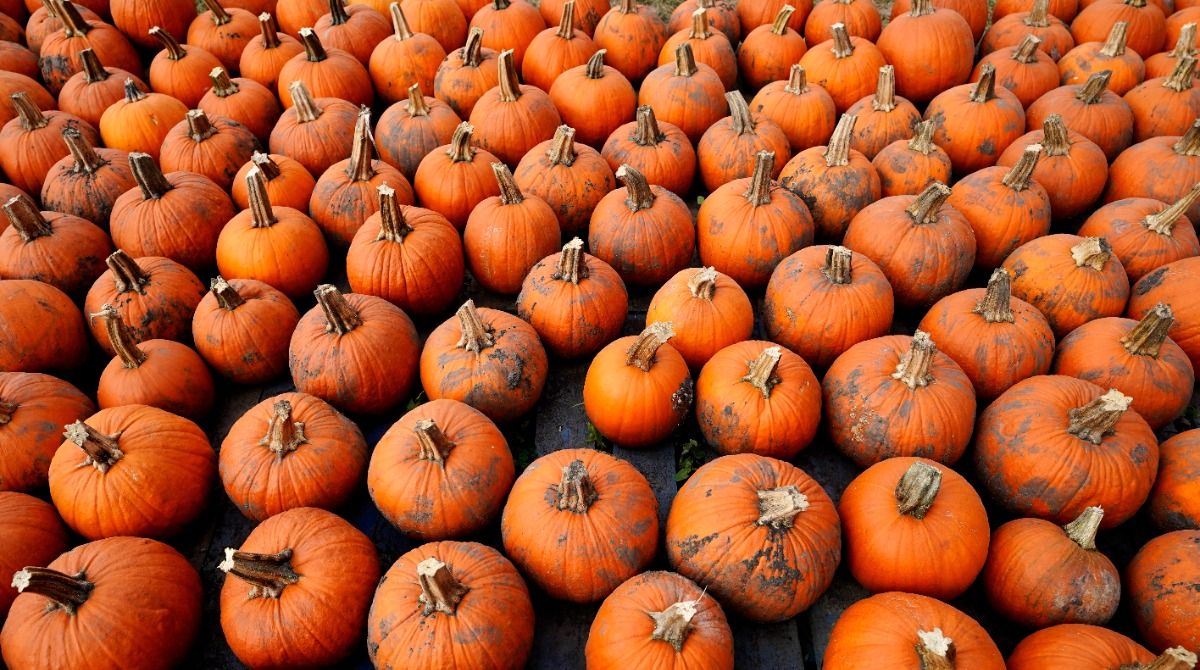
(997, 339)
(1006, 207)
(131, 601)
(413, 128)
(87, 182)
(1173, 161)
(1144, 233)
(925, 246)
(579, 522)
(1063, 9)
(576, 302)
(214, 148)
(822, 300)
(708, 309)
(241, 329)
(914, 525)
(734, 512)
(633, 34)
(357, 352)
(356, 29)
(1089, 109)
(844, 66)
(834, 181)
(974, 11)
(135, 458)
(768, 52)
(296, 14)
(660, 151)
(906, 167)
(454, 596)
(587, 13)
(91, 90)
(1147, 29)
(804, 112)
(34, 535)
(410, 256)
(316, 132)
(553, 51)
(404, 59)
(509, 24)
(136, 17)
(921, 75)
(242, 100)
(488, 359)
(594, 98)
(33, 409)
(277, 245)
(638, 389)
(1071, 168)
(1090, 647)
(32, 143)
(754, 13)
(1170, 284)
(223, 32)
(288, 183)
(179, 70)
(442, 471)
(58, 55)
(1176, 22)
(512, 118)
(570, 178)
(1127, 66)
(1070, 279)
(291, 569)
(290, 451)
(17, 58)
(140, 121)
(1056, 37)
(454, 178)
(757, 397)
(882, 118)
(43, 20)
(159, 373)
(685, 94)
(467, 74)
(729, 148)
(155, 295)
(720, 15)
(264, 57)
(909, 632)
(12, 82)
(1157, 582)
(507, 234)
(1165, 105)
(35, 243)
(444, 20)
(972, 121)
(40, 328)
(860, 17)
(1173, 503)
(1163, 63)
(1024, 69)
(328, 73)
(643, 231)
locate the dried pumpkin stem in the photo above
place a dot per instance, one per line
(575, 490)
(1147, 337)
(759, 192)
(270, 31)
(595, 65)
(26, 219)
(94, 71)
(132, 92)
(1019, 177)
(739, 113)
(837, 264)
(266, 165)
(884, 99)
(647, 133)
(29, 114)
(340, 315)
(1099, 417)
(1175, 658)
(392, 226)
(1026, 51)
(926, 206)
(284, 434)
(562, 149)
(400, 27)
(1039, 14)
(921, 8)
(102, 450)
(703, 283)
(7, 409)
(307, 109)
(777, 508)
(1092, 252)
(1056, 140)
(685, 61)
(566, 22)
(510, 85)
(1181, 77)
(262, 214)
(843, 47)
(200, 128)
(223, 86)
(1164, 221)
(476, 335)
(935, 651)
(338, 15)
(914, 369)
(700, 29)
(227, 296)
(127, 274)
(219, 16)
(149, 177)
(1093, 89)
(174, 49)
(570, 263)
(761, 373)
(641, 354)
(627, 7)
(837, 152)
(440, 591)
(74, 24)
(1082, 530)
(500, 5)
(639, 194)
(267, 574)
(432, 442)
(996, 304)
(918, 489)
(1186, 44)
(922, 139)
(780, 25)
(673, 624)
(472, 51)
(985, 88)
(460, 149)
(1114, 46)
(510, 193)
(313, 49)
(66, 592)
(362, 149)
(416, 102)
(1189, 144)
(120, 337)
(797, 80)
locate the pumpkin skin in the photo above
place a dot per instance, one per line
(145, 609)
(1056, 36)
(728, 150)
(316, 132)
(1006, 207)
(156, 297)
(660, 151)
(637, 389)
(822, 300)
(293, 568)
(467, 74)
(736, 507)
(243, 100)
(973, 121)
(570, 178)
(1146, 234)
(263, 57)
(861, 19)
(1163, 63)
(995, 338)
(12, 82)
(906, 167)
(898, 396)
(601, 505)
(356, 29)
(58, 55)
(1039, 574)
(1174, 159)
(413, 128)
(454, 178)
(909, 630)
(756, 397)
(1024, 69)
(508, 234)
(1102, 441)
(507, 25)
(914, 525)
(140, 121)
(845, 66)
(90, 91)
(1089, 109)
(921, 75)
(1071, 168)
(135, 18)
(768, 52)
(357, 352)
(1063, 9)
(288, 182)
(241, 328)
(576, 302)
(296, 14)
(1157, 581)
(34, 536)
(32, 143)
(87, 182)
(708, 310)
(882, 117)
(1165, 105)
(594, 98)
(485, 623)
(327, 72)
(223, 32)
(180, 70)
(710, 48)
(443, 20)
(28, 309)
(512, 118)
(1147, 24)
(135, 457)
(33, 409)
(488, 359)
(665, 621)
(1127, 66)
(633, 34)
(643, 231)
(404, 59)
(35, 243)
(685, 94)
(442, 471)
(555, 50)
(754, 13)
(805, 112)
(1173, 502)
(1070, 279)
(1170, 284)
(1082, 646)
(974, 11)
(721, 16)
(834, 181)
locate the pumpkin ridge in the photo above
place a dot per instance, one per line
(1163, 222)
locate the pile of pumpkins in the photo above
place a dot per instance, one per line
(1026, 193)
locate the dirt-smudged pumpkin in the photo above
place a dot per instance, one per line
(1070, 279)
(570, 177)
(1006, 207)
(1012, 29)
(40, 328)
(768, 52)
(729, 149)
(180, 70)
(32, 143)
(454, 178)
(633, 34)
(211, 146)
(317, 132)
(242, 100)
(1127, 66)
(803, 110)
(413, 128)
(710, 47)
(1146, 234)
(973, 122)
(834, 181)
(33, 535)
(644, 231)
(684, 93)
(906, 167)
(1175, 500)
(844, 65)
(708, 311)
(156, 296)
(263, 57)
(466, 74)
(1173, 284)
(883, 117)
(241, 328)
(1091, 110)
(1087, 647)
(1072, 168)
(920, 75)
(512, 118)
(1024, 69)
(89, 181)
(33, 409)
(657, 149)
(62, 250)
(88, 92)
(58, 56)
(1160, 582)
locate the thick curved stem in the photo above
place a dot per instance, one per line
(270, 31)
(1164, 221)
(570, 266)
(1026, 51)
(127, 275)
(25, 218)
(1021, 174)
(1093, 89)
(642, 354)
(1181, 77)
(74, 24)
(362, 148)
(338, 15)
(673, 624)
(307, 109)
(759, 192)
(575, 490)
(1114, 46)
(685, 61)
(996, 304)
(95, 72)
(266, 165)
(199, 126)
(595, 65)
(1092, 252)
(120, 337)
(223, 86)
(843, 47)
(29, 115)
(837, 152)
(777, 508)
(1099, 417)
(510, 84)
(1056, 140)
(780, 25)
(838, 261)
(884, 99)
(1175, 658)
(703, 283)
(566, 22)
(132, 92)
(562, 149)
(313, 49)
(739, 113)
(1189, 144)
(1186, 44)
(510, 193)
(646, 133)
(262, 214)
(797, 80)
(985, 88)
(460, 149)
(66, 592)
(340, 315)
(284, 434)
(1082, 530)
(440, 591)
(761, 373)
(392, 226)
(219, 16)
(700, 29)
(148, 175)
(472, 51)
(476, 335)
(227, 296)
(102, 450)
(432, 443)
(914, 369)
(399, 23)
(416, 102)
(935, 651)
(267, 574)
(1147, 337)
(924, 209)
(174, 49)
(637, 189)
(922, 139)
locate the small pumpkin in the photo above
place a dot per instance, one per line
(58, 55)
(1127, 66)
(883, 117)
(804, 112)
(860, 17)
(1089, 109)
(354, 28)
(328, 73)
(296, 14)
(834, 181)
(1174, 162)
(1146, 234)
(974, 11)
(633, 34)
(1170, 284)
(643, 231)
(32, 143)
(660, 151)
(35, 537)
(512, 118)
(404, 59)
(507, 234)
(316, 132)
(1147, 30)
(1173, 502)
(1071, 168)
(40, 328)
(1070, 279)
(466, 74)
(443, 19)
(1163, 63)
(685, 93)
(89, 181)
(135, 18)
(180, 70)
(1063, 9)
(708, 309)
(709, 47)
(728, 149)
(1156, 581)
(570, 177)
(1091, 647)
(1024, 69)
(241, 329)
(140, 121)
(509, 24)
(288, 183)
(242, 100)
(155, 295)
(972, 121)
(594, 98)
(721, 16)
(263, 57)
(555, 50)
(845, 66)
(454, 178)
(1055, 35)
(33, 409)
(1165, 105)
(413, 128)
(925, 24)
(91, 90)
(223, 32)
(1006, 207)
(906, 167)
(36, 244)
(212, 147)
(768, 52)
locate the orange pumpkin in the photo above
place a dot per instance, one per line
(443, 19)
(34, 408)
(660, 151)
(594, 98)
(1006, 207)
(804, 112)
(974, 11)
(58, 55)
(1024, 69)
(512, 118)
(882, 118)
(1146, 234)
(328, 73)
(685, 93)
(834, 181)
(644, 232)
(454, 178)
(411, 129)
(12, 82)
(316, 132)
(767, 53)
(179, 70)
(1070, 279)
(1157, 581)
(721, 15)
(555, 50)
(242, 100)
(241, 329)
(1063, 9)
(155, 295)
(1173, 503)
(1165, 105)
(403, 60)
(1084, 646)
(973, 121)
(754, 13)
(633, 34)
(40, 328)
(135, 18)
(61, 250)
(288, 183)
(1071, 168)
(508, 24)
(507, 234)
(215, 148)
(140, 121)
(906, 167)
(32, 143)
(1147, 24)
(88, 92)
(570, 178)
(356, 29)
(860, 17)
(708, 47)
(1089, 109)
(728, 149)
(1056, 37)
(1163, 63)
(1172, 284)
(845, 66)
(296, 14)
(919, 77)
(708, 310)
(34, 535)
(223, 32)
(467, 74)
(1127, 66)
(88, 181)
(264, 57)
(1174, 162)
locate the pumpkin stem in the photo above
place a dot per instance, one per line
(440, 591)
(362, 149)
(996, 304)
(400, 23)
(673, 624)
(797, 80)
(739, 113)
(935, 650)
(914, 367)
(1175, 658)
(1019, 176)
(1026, 51)
(66, 592)
(7, 409)
(842, 46)
(337, 13)
(174, 49)
(472, 51)
(270, 31)
(132, 92)
(476, 335)
(575, 490)
(700, 30)
(1184, 46)
(884, 99)
(94, 71)
(922, 139)
(1189, 144)
(27, 219)
(460, 149)
(562, 149)
(127, 275)
(199, 127)
(837, 264)
(392, 226)
(641, 354)
(759, 192)
(1181, 77)
(433, 443)
(703, 283)
(1093, 89)
(102, 450)
(120, 337)
(761, 374)
(262, 214)
(640, 195)
(627, 6)
(922, 8)
(148, 175)
(1099, 417)
(1039, 14)
(1092, 252)
(307, 109)
(219, 16)
(1082, 530)
(223, 86)
(267, 574)
(510, 85)
(416, 101)
(340, 315)
(1136, 3)
(647, 133)
(73, 22)
(777, 508)
(313, 49)
(595, 65)
(227, 296)
(918, 489)
(570, 263)
(566, 22)
(780, 25)
(30, 116)
(924, 209)
(985, 88)
(266, 165)
(1147, 337)
(837, 152)
(685, 61)
(284, 435)
(500, 5)
(1114, 46)
(510, 193)
(1055, 138)
(1164, 221)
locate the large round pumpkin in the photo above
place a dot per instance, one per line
(883, 117)
(455, 177)
(62, 250)
(931, 48)
(507, 234)
(33, 409)
(658, 150)
(973, 120)
(1174, 502)
(835, 181)
(1160, 582)
(645, 232)
(89, 181)
(242, 327)
(512, 118)
(33, 535)
(1071, 168)
(570, 177)
(1146, 234)
(1070, 279)
(1006, 207)
(804, 111)
(906, 167)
